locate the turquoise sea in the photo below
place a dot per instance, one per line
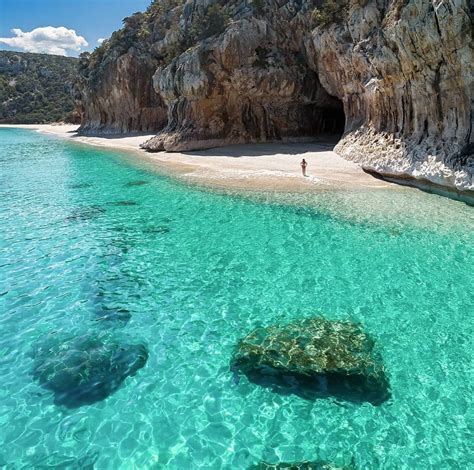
(96, 245)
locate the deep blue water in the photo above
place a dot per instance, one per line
(96, 246)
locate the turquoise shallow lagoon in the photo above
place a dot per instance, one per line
(86, 230)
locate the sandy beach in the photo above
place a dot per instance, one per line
(267, 167)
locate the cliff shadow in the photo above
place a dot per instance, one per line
(321, 144)
(324, 124)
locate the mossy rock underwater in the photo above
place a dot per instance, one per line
(314, 358)
(86, 369)
(305, 465)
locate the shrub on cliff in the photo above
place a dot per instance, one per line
(174, 50)
(214, 21)
(331, 11)
(258, 6)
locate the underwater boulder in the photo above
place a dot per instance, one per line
(161, 229)
(123, 203)
(86, 369)
(85, 213)
(113, 314)
(136, 183)
(305, 465)
(80, 185)
(314, 358)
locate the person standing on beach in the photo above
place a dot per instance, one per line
(303, 164)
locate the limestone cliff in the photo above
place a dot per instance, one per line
(394, 76)
(114, 91)
(225, 74)
(405, 73)
(251, 83)
(123, 99)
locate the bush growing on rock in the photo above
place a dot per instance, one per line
(258, 6)
(331, 11)
(214, 21)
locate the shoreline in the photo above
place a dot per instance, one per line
(247, 167)
(268, 167)
(426, 186)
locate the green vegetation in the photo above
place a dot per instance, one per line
(140, 31)
(331, 11)
(258, 6)
(173, 51)
(213, 22)
(144, 30)
(261, 60)
(35, 88)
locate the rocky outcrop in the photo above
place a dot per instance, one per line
(123, 100)
(114, 91)
(249, 84)
(314, 358)
(405, 73)
(395, 77)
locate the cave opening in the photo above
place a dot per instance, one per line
(329, 118)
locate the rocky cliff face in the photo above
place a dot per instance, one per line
(123, 99)
(404, 71)
(396, 76)
(251, 83)
(223, 74)
(114, 91)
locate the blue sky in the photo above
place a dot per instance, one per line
(90, 19)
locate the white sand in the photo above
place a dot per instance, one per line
(273, 167)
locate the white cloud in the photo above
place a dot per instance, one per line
(101, 40)
(48, 39)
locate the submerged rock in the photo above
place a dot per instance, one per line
(80, 185)
(159, 229)
(124, 203)
(113, 314)
(83, 370)
(305, 465)
(85, 213)
(136, 183)
(314, 358)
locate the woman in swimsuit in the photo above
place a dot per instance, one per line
(303, 166)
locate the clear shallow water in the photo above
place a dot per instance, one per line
(197, 271)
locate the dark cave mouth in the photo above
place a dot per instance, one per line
(329, 119)
(323, 119)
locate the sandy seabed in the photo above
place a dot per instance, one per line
(261, 167)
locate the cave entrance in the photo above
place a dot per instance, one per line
(329, 118)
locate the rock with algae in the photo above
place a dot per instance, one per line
(314, 358)
(86, 369)
(305, 465)
(85, 213)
